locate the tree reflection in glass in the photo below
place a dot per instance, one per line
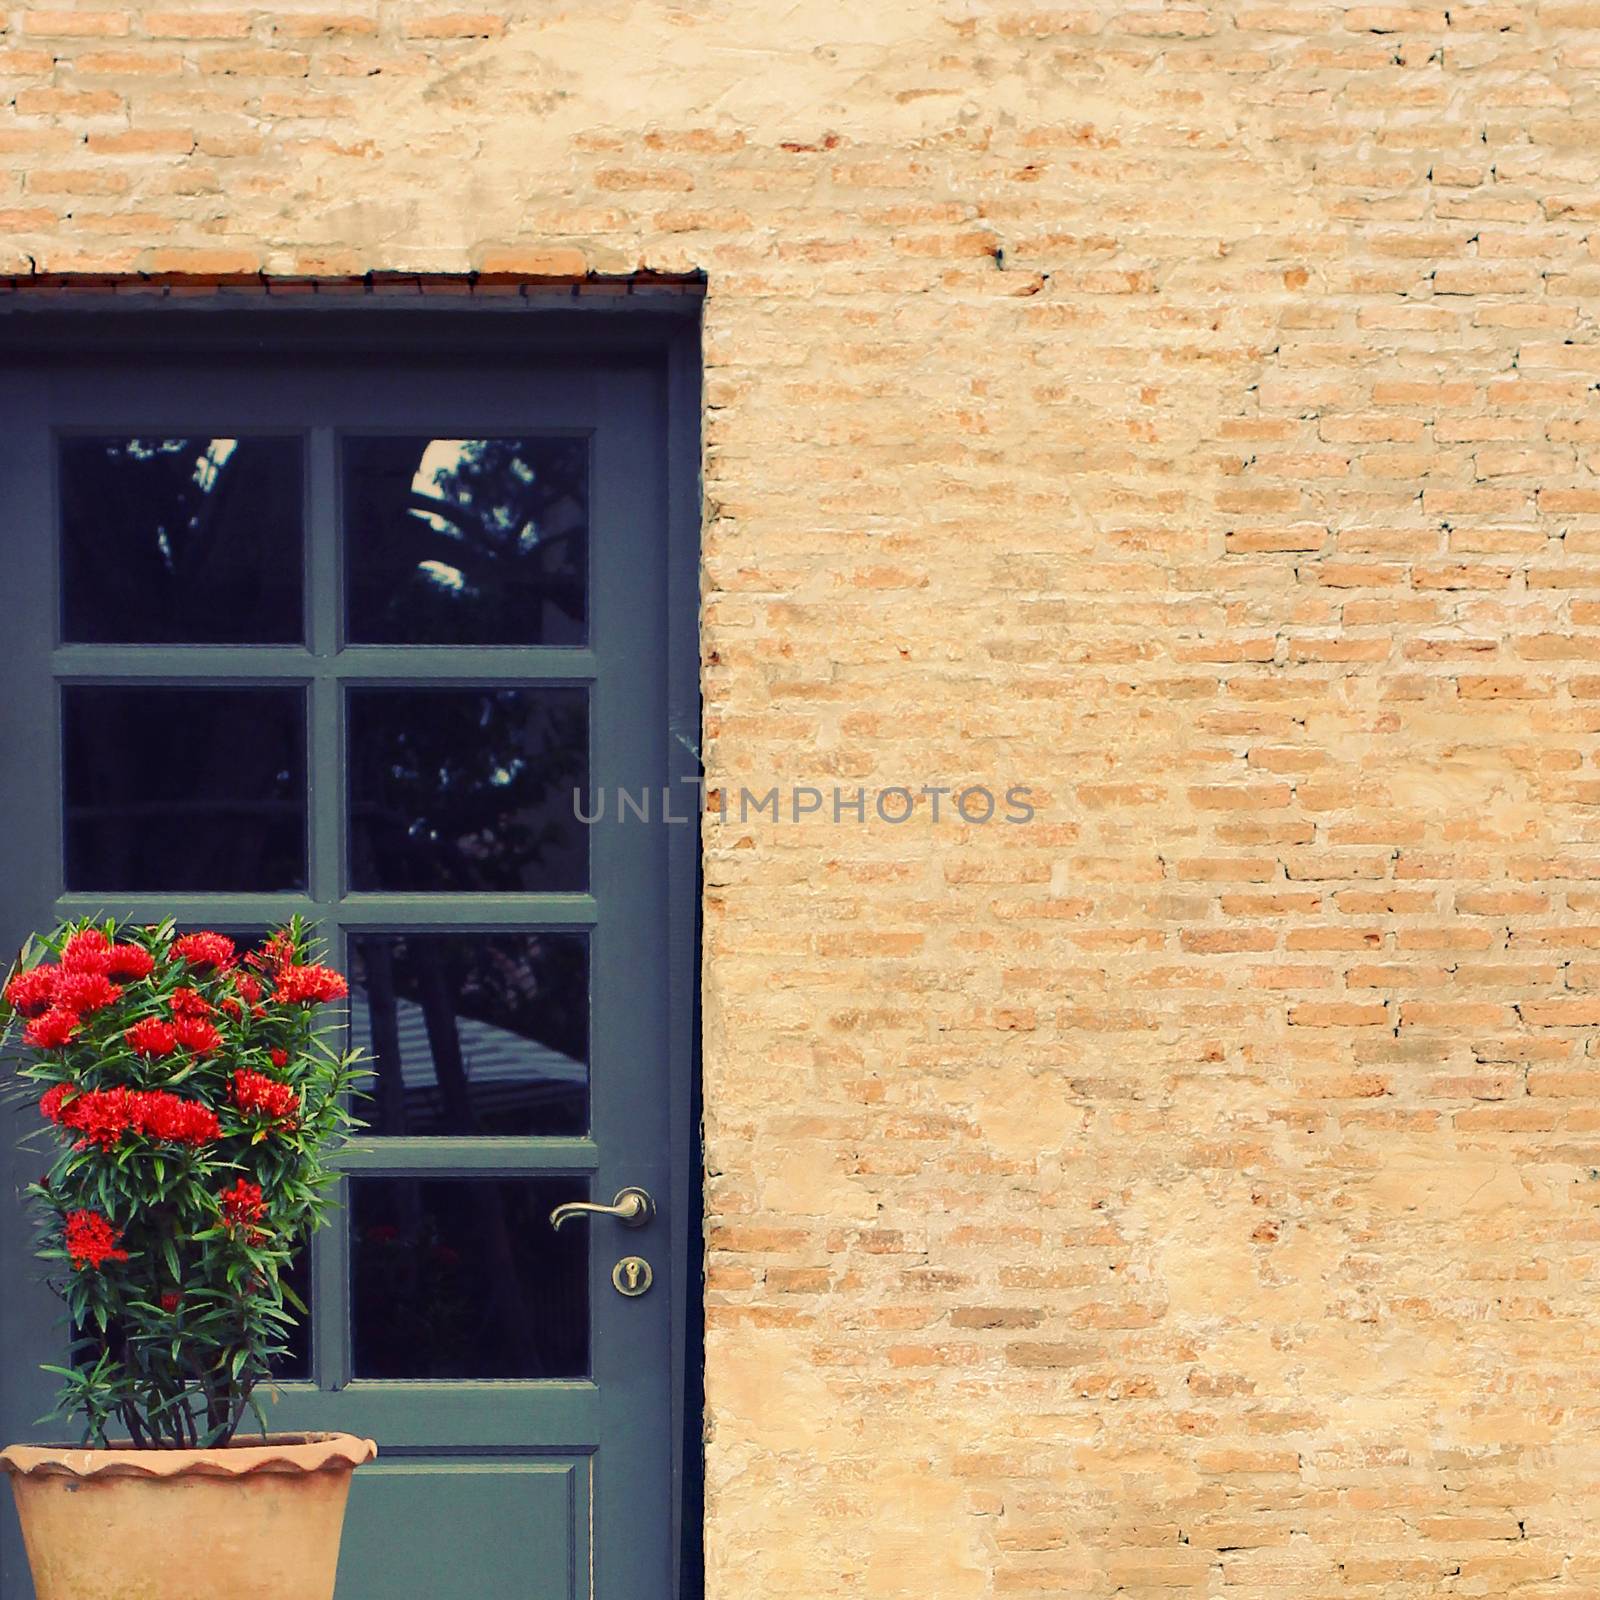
(181, 541)
(466, 541)
(467, 789)
(473, 1033)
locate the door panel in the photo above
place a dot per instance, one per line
(406, 1539)
(482, 554)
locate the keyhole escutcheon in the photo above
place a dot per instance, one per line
(632, 1276)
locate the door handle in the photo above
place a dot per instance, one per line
(632, 1208)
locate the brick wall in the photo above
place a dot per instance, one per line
(1189, 411)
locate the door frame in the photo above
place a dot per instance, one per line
(57, 324)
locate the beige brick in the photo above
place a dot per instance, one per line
(201, 261)
(1187, 411)
(455, 25)
(533, 261)
(196, 24)
(77, 24)
(326, 25)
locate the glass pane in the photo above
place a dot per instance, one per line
(465, 1278)
(184, 789)
(484, 1033)
(466, 541)
(180, 541)
(468, 789)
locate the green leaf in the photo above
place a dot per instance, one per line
(260, 1415)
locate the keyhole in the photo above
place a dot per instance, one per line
(631, 1276)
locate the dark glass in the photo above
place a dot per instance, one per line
(465, 1278)
(467, 789)
(181, 541)
(466, 541)
(184, 790)
(481, 1033)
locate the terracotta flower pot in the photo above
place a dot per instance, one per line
(253, 1521)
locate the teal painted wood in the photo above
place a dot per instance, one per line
(29, 781)
(507, 1477)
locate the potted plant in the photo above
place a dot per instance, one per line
(190, 1100)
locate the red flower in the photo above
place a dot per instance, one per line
(248, 986)
(171, 1300)
(278, 951)
(51, 1031)
(31, 992)
(309, 985)
(243, 1205)
(103, 1116)
(190, 1003)
(255, 1092)
(205, 950)
(169, 1116)
(232, 1008)
(85, 991)
(280, 1058)
(52, 1100)
(92, 1240)
(198, 1035)
(87, 951)
(130, 961)
(152, 1037)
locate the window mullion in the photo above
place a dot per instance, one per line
(322, 634)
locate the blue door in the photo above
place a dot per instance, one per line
(339, 616)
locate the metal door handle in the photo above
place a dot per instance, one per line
(632, 1208)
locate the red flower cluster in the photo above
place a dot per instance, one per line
(255, 1092)
(170, 1301)
(52, 1100)
(189, 1003)
(91, 1240)
(309, 985)
(86, 951)
(130, 961)
(78, 992)
(56, 996)
(205, 950)
(198, 1035)
(82, 980)
(31, 992)
(152, 1037)
(277, 951)
(242, 1205)
(103, 1116)
(51, 1031)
